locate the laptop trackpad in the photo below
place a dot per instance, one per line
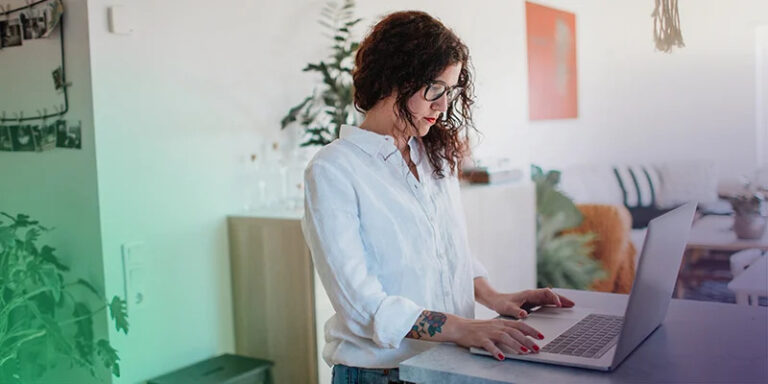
(551, 322)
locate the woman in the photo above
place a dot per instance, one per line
(384, 220)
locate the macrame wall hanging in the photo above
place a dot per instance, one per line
(666, 26)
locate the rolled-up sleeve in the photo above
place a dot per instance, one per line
(331, 227)
(478, 270)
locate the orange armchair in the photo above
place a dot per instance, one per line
(612, 245)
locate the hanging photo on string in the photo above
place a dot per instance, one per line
(58, 78)
(21, 135)
(33, 25)
(6, 144)
(10, 33)
(46, 135)
(53, 11)
(68, 136)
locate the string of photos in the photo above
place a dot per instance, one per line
(47, 129)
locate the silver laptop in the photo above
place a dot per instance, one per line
(582, 338)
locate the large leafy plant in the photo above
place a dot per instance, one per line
(45, 320)
(563, 259)
(331, 103)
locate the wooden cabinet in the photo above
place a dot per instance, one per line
(280, 307)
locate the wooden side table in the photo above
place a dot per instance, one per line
(711, 240)
(716, 233)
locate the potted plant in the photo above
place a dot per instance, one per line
(750, 216)
(331, 104)
(562, 259)
(46, 318)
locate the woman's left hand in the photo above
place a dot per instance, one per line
(517, 304)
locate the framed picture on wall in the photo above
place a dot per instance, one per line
(552, 80)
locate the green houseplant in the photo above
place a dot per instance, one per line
(331, 104)
(45, 320)
(562, 259)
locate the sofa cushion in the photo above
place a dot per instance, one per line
(590, 184)
(686, 181)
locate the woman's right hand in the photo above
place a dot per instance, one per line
(497, 336)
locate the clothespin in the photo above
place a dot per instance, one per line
(43, 115)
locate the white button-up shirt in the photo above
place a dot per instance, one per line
(386, 246)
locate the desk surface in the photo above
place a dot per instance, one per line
(697, 342)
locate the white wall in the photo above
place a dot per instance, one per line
(761, 101)
(181, 103)
(174, 112)
(635, 104)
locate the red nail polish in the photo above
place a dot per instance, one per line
(541, 337)
(500, 356)
(524, 349)
(535, 347)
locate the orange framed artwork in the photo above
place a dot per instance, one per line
(552, 80)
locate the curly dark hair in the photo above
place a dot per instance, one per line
(402, 53)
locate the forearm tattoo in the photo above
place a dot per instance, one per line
(429, 323)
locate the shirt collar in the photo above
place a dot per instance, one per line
(370, 142)
(375, 144)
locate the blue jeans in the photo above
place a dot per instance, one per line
(343, 374)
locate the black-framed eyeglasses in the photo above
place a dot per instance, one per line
(437, 88)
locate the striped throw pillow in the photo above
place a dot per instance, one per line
(639, 184)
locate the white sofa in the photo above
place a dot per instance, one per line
(662, 186)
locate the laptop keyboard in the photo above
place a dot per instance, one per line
(591, 337)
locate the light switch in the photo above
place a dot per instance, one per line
(121, 20)
(134, 273)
